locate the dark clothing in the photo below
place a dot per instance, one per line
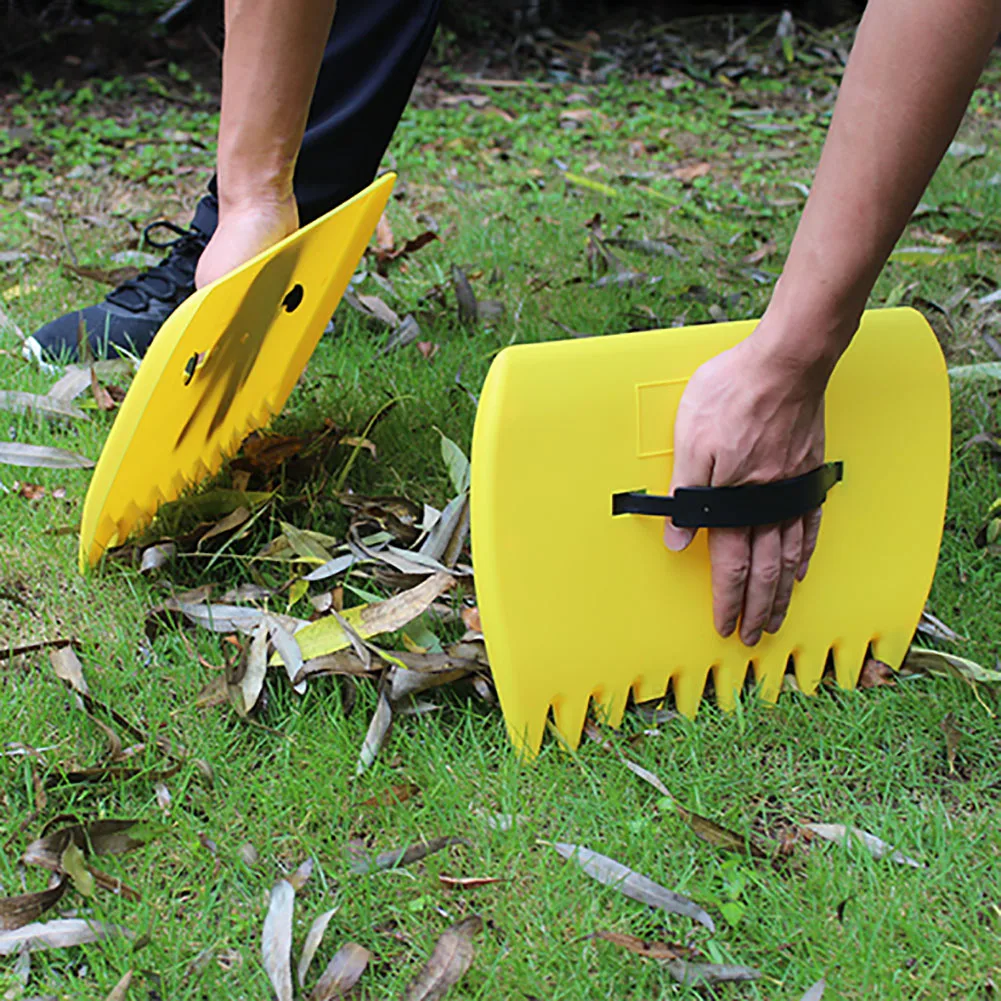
(370, 64)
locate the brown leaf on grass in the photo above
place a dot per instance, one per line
(468, 882)
(471, 619)
(690, 173)
(632, 884)
(68, 668)
(375, 307)
(101, 396)
(399, 857)
(16, 912)
(342, 972)
(400, 516)
(452, 957)
(15, 453)
(393, 795)
(876, 674)
(60, 934)
(465, 298)
(120, 989)
(404, 683)
(12, 652)
(99, 837)
(313, 939)
(301, 876)
(229, 523)
(215, 693)
(276, 939)
(112, 277)
(706, 974)
(816, 992)
(428, 349)
(953, 735)
(386, 257)
(30, 491)
(662, 951)
(384, 239)
(762, 253)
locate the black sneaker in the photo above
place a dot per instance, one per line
(128, 319)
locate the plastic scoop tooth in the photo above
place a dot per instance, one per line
(849, 656)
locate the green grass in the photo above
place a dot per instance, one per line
(876, 759)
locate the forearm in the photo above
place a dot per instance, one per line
(270, 63)
(910, 77)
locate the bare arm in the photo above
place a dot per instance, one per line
(910, 77)
(756, 413)
(270, 63)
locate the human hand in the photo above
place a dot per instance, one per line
(243, 232)
(749, 416)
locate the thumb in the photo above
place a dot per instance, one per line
(692, 468)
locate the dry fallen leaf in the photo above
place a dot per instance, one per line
(452, 957)
(393, 795)
(361, 863)
(877, 848)
(384, 239)
(465, 298)
(632, 884)
(100, 837)
(15, 453)
(252, 682)
(937, 662)
(342, 972)
(68, 668)
(119, 990)
(662, 951)
(326, 636)
(313, 939)
(875, 673)
(16, 912)
(29, 403)
(276, 939)
(468, 882)
(61, 934)
(378, 731)
(690, 173)
(705, 974)
(816, 992)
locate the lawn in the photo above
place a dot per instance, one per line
(710, 171)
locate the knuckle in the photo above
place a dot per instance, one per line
(735, 572)
(791, 561)
(769, 573)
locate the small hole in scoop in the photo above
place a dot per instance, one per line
(293, 300)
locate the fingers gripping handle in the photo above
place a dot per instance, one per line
(736, 507)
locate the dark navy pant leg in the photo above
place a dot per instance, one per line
(369, 68)
(370, 64)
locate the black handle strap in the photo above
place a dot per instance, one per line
(736, 507)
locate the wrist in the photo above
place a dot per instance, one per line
(805, 340)
(250, 181)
